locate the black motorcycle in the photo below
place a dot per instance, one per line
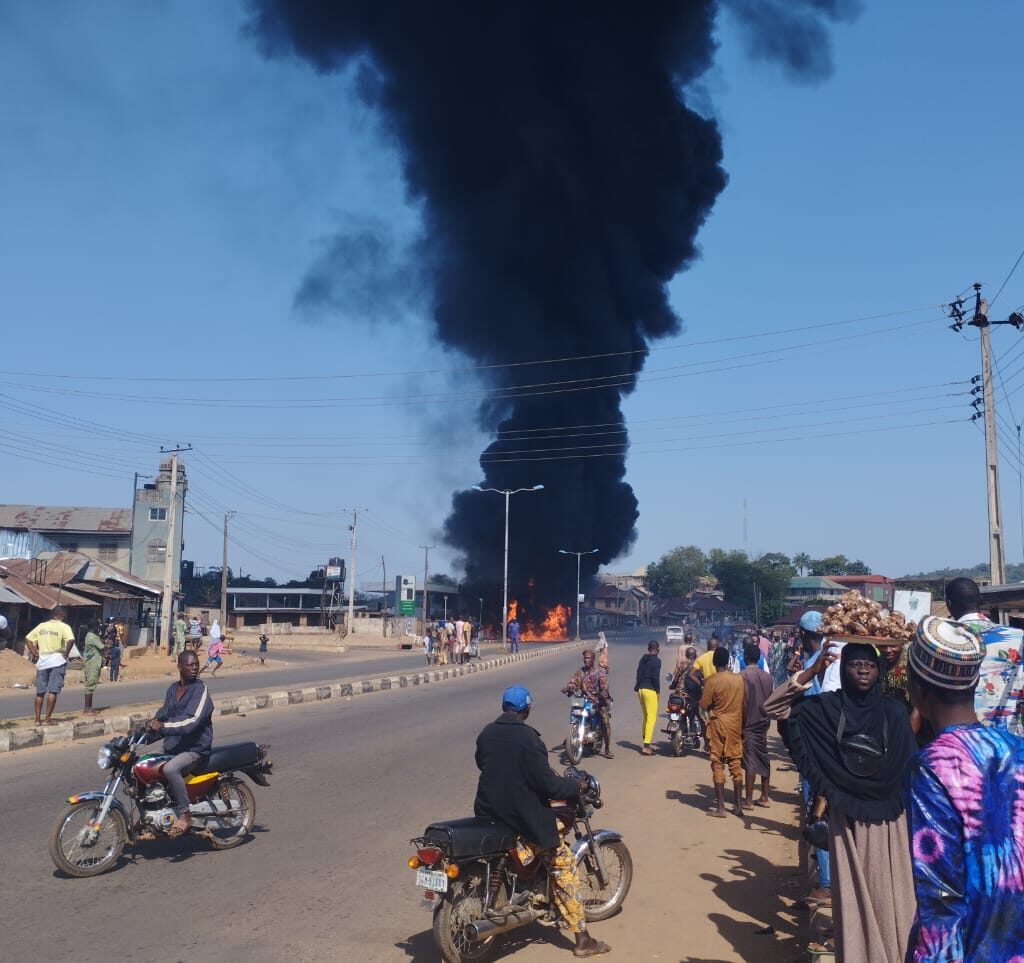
(479, 889)
(91, 833)
(683, 727)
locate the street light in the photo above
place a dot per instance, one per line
(579, 556)
(508, 493)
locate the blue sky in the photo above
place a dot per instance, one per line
(164, 189)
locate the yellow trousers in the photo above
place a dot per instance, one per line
(649, 709)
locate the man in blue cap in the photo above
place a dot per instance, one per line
(516, 787)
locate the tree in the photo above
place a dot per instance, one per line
(677, 572)
(857, 568)
(738, 575)
(838, 565)
(802, 561)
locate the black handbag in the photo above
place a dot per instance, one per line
(862, 754)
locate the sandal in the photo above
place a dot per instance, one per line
(594, 948)
(180, 826)
(824, 948)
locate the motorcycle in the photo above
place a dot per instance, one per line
(472, 877)
(585, 727)
(683, 729)
(92, 832)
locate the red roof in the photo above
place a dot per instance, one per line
(860, 579)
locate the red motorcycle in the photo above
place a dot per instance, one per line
(90, 835)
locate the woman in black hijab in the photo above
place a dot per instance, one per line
(853, 746)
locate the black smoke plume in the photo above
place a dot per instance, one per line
(563, 179)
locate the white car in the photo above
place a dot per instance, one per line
(674, 634)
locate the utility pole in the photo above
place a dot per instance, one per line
(384, 597)
(426, 593)
(224, 576)
(579, 558)
(167, 602)
(350, 626)
(980, 320)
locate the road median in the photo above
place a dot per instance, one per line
(24, 735)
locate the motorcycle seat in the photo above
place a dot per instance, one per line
(235, 755)
(462, 838)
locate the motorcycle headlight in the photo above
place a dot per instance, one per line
(105, 758)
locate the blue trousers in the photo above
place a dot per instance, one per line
(821, 855)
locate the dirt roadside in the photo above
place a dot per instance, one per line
(704, 890)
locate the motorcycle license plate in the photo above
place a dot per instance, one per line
(672, 727)
(432, 879)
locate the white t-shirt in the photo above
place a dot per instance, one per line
(832, 681)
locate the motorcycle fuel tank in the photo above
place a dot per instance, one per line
(148, 769)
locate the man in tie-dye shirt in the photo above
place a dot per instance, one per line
(999, 698)
(965, 811)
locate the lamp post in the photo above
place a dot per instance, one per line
(579, 557)
(508, 493)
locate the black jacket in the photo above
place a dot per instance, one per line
(648, 673)
(516, 782)
(188, 724)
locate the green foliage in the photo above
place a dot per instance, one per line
(838, 565)
(677, 572)
(802, 562)
(737, 575)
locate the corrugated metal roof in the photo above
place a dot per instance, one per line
(41, 596)
(73, 569)
(50, 518)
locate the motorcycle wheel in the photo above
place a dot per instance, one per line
(677, 743)
(451, 917)
(574, 744)
(600, 902)
(242, 799)
(69, 849)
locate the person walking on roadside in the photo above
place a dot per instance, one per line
(115, 652)
(178, 636)
(263, 648)
(723, 702)
(964, 812)
(647, 688)
(92, 663)
(49, 645)
(999, 696)
(513, 635)
(854, 746)
(213, 654)
(757, 686)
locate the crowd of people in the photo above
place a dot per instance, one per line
(452, 641)
(911, 765)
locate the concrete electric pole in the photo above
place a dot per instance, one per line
(980, 320)
(224, 577)
(350, 624)
(167, 600)
(426, 593)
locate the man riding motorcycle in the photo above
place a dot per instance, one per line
(186, 721)
(592, 681)
(516, 788)
(685, 685)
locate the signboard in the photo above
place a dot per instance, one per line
(913, 606)
(334, 570)
(405, 595)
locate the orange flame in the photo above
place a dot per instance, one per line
(553, 628)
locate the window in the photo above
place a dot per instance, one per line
(156, 550)
(158, 514)
(107, 551)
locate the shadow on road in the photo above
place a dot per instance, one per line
(421, 946)
(754, 887)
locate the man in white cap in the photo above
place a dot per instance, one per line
(965, 809)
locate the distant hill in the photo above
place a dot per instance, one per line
(1014, 573)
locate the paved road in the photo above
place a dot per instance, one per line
(284, 669)
(323, 878)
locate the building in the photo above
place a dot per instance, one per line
(806, 588)
(621, 606)
(625, 580)
(134, 539)
(103, 534)
(877, 588)
(259, 606)
(150, 517)
(89, 589)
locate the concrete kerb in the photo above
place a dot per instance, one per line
(12, 740)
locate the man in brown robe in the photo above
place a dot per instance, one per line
(757, 686)
(723, 701)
